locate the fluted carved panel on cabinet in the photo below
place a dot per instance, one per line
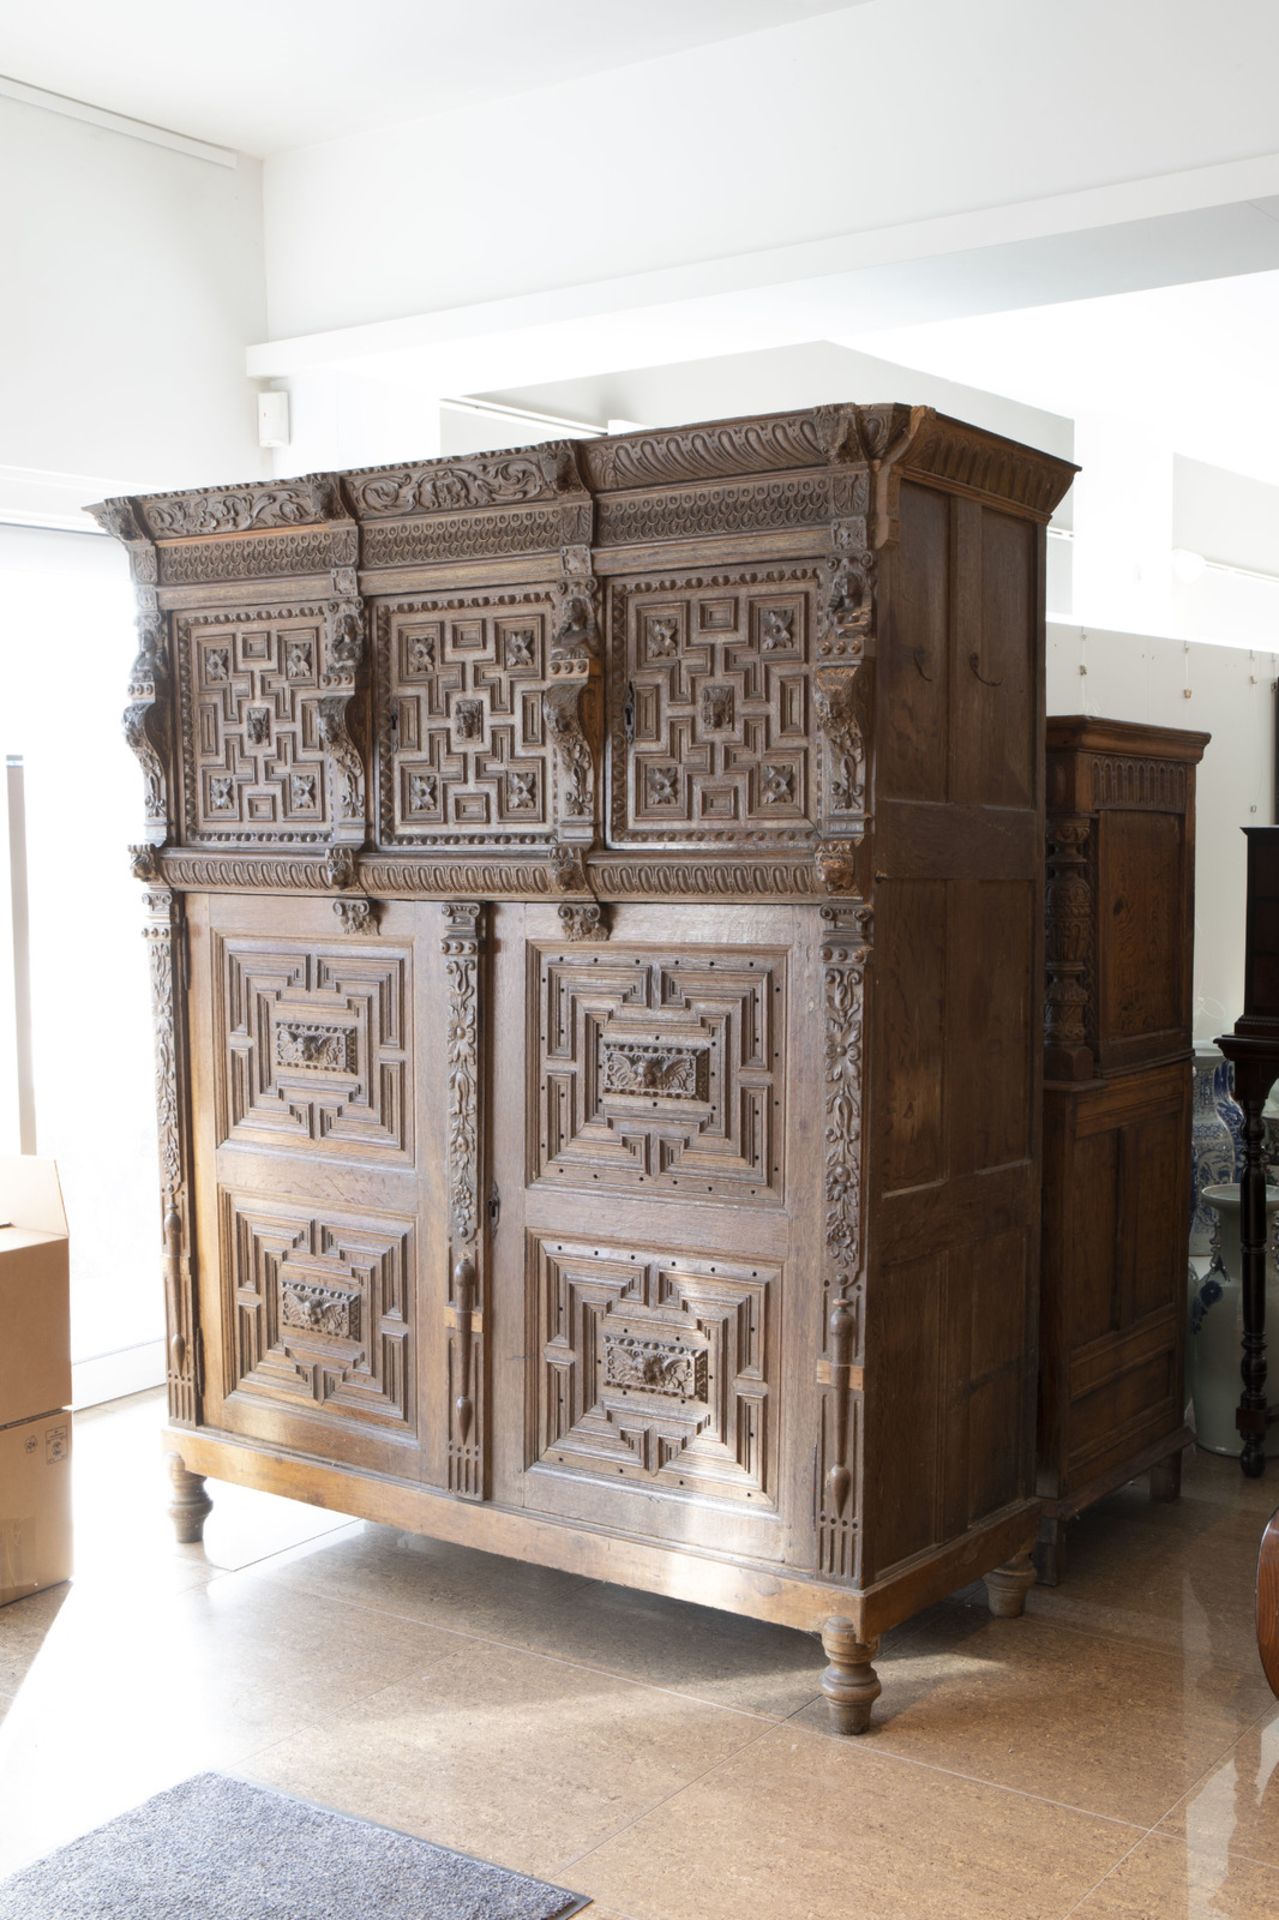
(660, 1073)
(321, 1309)
(314, 1049)
(656, 1367)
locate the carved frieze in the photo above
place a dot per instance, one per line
(292, 503)
(482, 480)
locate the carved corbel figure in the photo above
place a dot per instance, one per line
(144, 721)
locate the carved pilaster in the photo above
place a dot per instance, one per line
(1068, 947)
(562, 705)
(165, 935)
(844, 954)
(344, 650)
(841, 699)
(463, 945)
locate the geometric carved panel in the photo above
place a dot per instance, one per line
(321, 1308)
(656, 1367)
(710, 708)
(314, 1048)
(253, 760)
(661, 1073)
(463, 757)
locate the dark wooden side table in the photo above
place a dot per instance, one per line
(1253, 1051)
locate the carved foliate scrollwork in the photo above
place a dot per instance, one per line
(845, 951)
(462, 945)
(164, 931)
(450, 486)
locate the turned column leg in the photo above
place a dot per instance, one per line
(1165, 1478)
(1007, 1587)
(1050, 1553)
(850, 1683)
(1251, 1416)
(190, 1505)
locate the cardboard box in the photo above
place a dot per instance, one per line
(35, 1300)
(35, 1505)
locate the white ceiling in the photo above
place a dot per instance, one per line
(1195, 364)
(262, 75)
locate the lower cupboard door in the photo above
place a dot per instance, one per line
(317, 1157)
(656, 1269)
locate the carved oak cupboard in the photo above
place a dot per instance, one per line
(595, 910)
(1117, 1098)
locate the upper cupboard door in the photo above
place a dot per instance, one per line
(267, 695)
(718, 694)
(467, 720)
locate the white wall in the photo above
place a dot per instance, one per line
(133, 281)
(1134, 677)
(871, 118)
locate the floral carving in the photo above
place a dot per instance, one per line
(838, 699)
(233, 510)
(442, 486)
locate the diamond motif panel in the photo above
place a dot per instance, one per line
(322, 1309)
(463, 757)
(656, 1367)
(710, 703)
(660, 1073)
(254, 764)
(315, 1048)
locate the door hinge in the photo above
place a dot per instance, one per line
(628, 712)
(495, 1208)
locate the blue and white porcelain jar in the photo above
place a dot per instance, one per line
(1212, 1151)
(1230, 1110)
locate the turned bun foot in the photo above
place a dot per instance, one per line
(1007, 1587)
(190, 1505)
(850, 1683)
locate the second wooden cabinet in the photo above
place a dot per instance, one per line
(1117, 1095)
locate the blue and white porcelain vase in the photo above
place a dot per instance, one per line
(1212, 1151)
(1230, 1110)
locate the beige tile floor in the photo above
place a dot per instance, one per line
(1114, 1755)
